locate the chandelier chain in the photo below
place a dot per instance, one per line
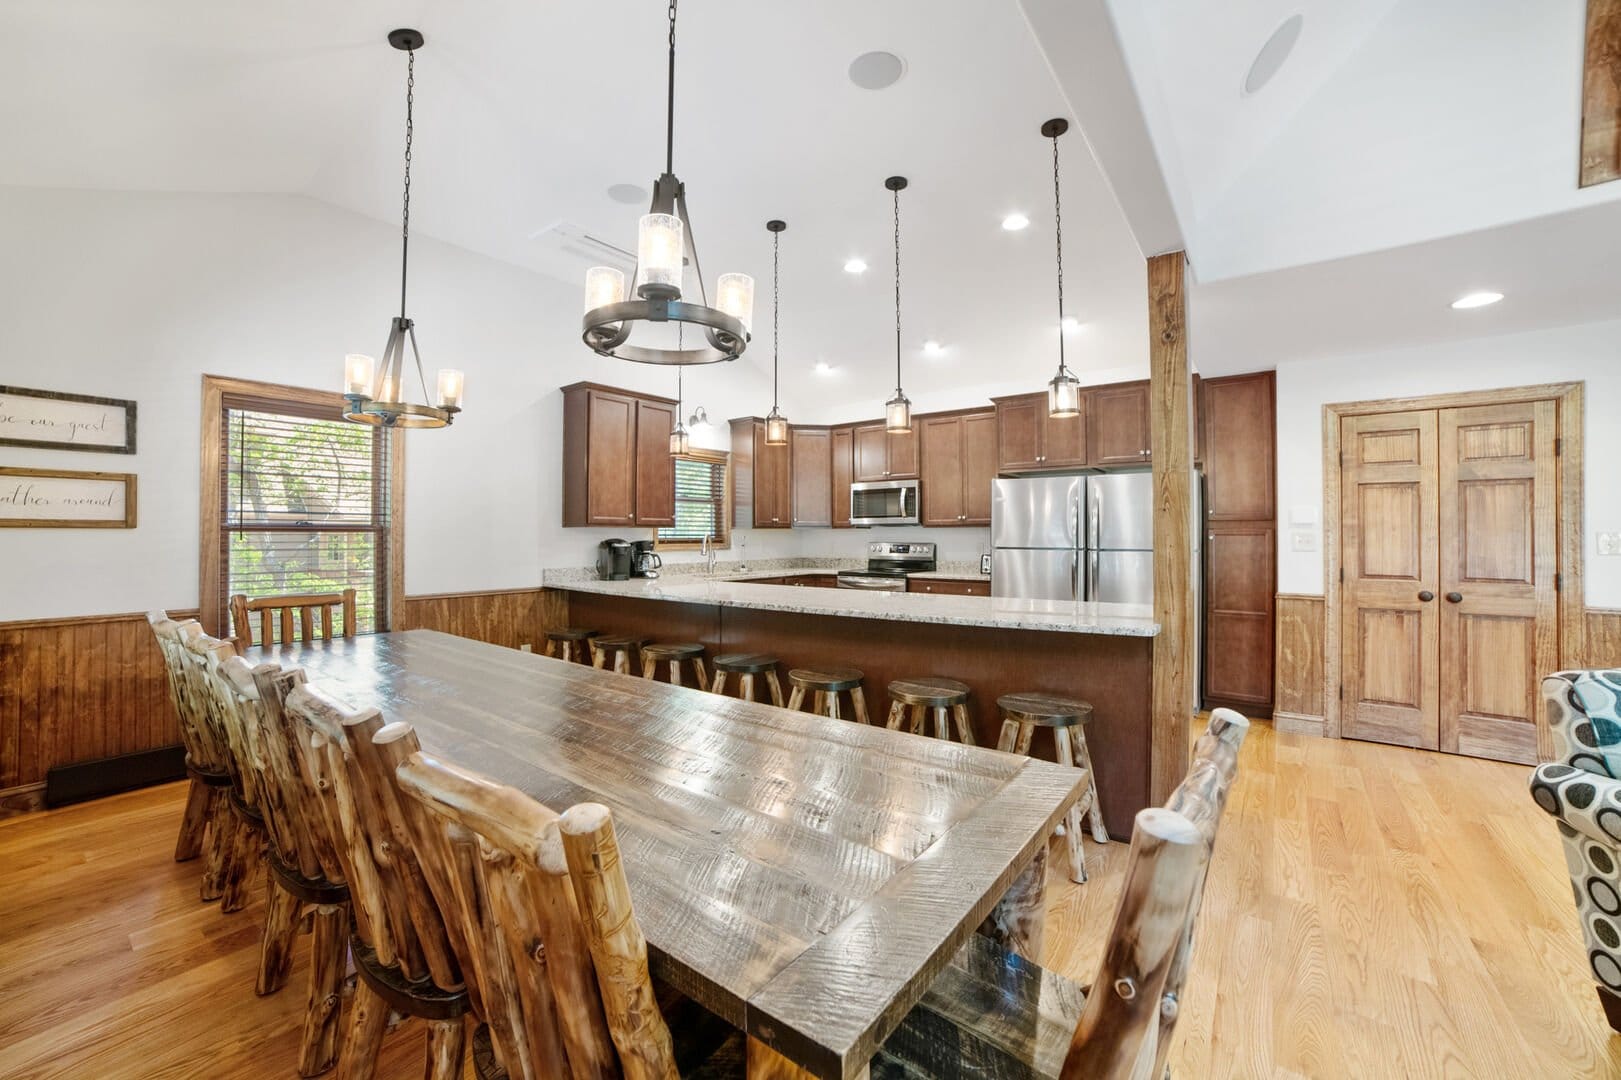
(897, 195)
(669, 114)
(410, 132)
(1058, 231)
(776, 309)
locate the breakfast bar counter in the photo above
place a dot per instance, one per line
(1099, 653)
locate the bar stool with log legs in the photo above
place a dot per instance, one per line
(571, 644)
(1021, 715)
(673, 655)
(945, 699)
(825, 684)
(614, 651)
(746, 666)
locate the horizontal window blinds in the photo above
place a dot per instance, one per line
(304, 506)
(700, 501)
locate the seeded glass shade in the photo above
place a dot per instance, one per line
(603, 285)
(659, 251)
(734, 294)
(450, 388)
(776, 429)
(358, 373)
(679, 444)
(1064, 395)
(898, 414)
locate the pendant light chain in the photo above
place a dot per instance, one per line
(669, 116)
(1058, 230)
(410, 131)
(897, 195)
(776, 309)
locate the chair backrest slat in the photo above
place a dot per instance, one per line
(288, 746)
(287, 611)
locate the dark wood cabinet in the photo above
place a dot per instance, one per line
(1117, 424)
(958, 459)
(617, 468)
(948, 587)
(903, 455)
(1028, 440)
(1238, 431)
(843, 473)
(762, 478)
(811, 467)
(882, 456)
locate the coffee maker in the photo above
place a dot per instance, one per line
(644, 561)
(613, 560)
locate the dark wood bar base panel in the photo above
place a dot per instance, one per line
(1112, 672)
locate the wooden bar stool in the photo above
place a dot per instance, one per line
(1021, 715)
(826, 684)
(746, 666)
(674, 654)
(945, 699)
(614, 648)
(570, 644)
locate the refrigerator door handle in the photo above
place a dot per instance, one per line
(1094, 515)
(1092, 576)
(1074, 575)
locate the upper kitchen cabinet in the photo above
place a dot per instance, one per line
(1028, 440)
(811, 464)
(882, 456)
(844, 464)
(616, 457)
(958, 464)
(1117, 424)
(1238, 432)
(762, 478)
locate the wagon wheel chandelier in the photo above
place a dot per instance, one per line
(377, 397)
(664, 244)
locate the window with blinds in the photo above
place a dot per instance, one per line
(304, 506)
(700, 501)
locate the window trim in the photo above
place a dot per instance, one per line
(212, 613)
(722, 458)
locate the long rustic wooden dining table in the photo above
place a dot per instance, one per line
(803, 878)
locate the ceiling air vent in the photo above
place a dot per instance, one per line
(571, 240)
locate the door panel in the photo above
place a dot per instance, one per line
(1121, 577)
(871, 453)
(843, 473)
(978, 467)
(1118, 425)
(1120, 511)
(1390, 635)
(655, 468)
(1035, 574)
(1063, 442)
(1497, 559)
(812, 476)
(610, 445)
(1037, 512)
(1018, 434)
(903, 455)
(942, 470)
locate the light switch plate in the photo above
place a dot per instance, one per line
(1303, 539)
(1609, 543)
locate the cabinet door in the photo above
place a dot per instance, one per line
(844, 461)
(903, 455)
(942, 482)
(1238, 431)
(978, 467)
(655, 468)
(812, 476)
(1018, 433)
(1238, 613)
(773, 497)
(1063, 442)
(611, 444)
(872, 453)
(1118, 425)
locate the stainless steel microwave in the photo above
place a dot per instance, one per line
(884, 502)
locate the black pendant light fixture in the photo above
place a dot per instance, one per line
(1064, 391)
(664, 245)
(680, 444)
(898, 409)
(776, 424)
(373, 396)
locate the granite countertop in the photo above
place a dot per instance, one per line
(1063, 616)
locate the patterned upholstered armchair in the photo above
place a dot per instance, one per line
(1581, 789)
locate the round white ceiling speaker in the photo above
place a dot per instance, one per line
(627, 193)
(877, 70)
(1273, 53)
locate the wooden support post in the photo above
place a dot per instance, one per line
(1170, 439)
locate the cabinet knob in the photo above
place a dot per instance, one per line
(1426, 596)
(1454, 597)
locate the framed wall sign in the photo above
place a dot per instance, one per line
(51, 420)
(65, 499)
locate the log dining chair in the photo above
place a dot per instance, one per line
(200, 832)
(402, 951)
(995, 1013)
(303, 879)
(277, 613)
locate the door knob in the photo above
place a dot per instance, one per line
(1426, 596)
(1454, 597)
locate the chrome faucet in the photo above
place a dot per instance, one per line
(707, 550)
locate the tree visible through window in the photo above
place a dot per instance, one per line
(304, 506)
(700, 501)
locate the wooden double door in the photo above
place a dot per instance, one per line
(1448, 604)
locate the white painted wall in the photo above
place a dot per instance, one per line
(1590, 353)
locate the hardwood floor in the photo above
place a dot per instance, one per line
(1372, 912)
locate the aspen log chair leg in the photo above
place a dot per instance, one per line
(1009, 737)
(942, 723)
(797, 698)
(965, 727)
(833, 710)
(1083, 758)
(819, 703)
(1018, 919)
(218, 842)
(247, 852)
(745, 684)
(717, 685)
(282, 910)
(1072, 820)
(858, 702)
(193, 823)
(368, 1021)
(701, 672)
(447, 1047)
(675, 672)
(897, 713)
(776, 689)
(329, 953)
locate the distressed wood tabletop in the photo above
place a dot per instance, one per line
(803, 878)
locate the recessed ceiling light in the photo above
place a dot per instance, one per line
(1273, 54)
(823, 367)
(1015, 222)
(1476, 299)
(933, 348)
(1071, 324)
(877, 70)
(855, 266)
(627, 193)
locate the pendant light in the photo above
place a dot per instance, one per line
(776, 424)
(679, 443)
(1064, 391)
(664, 245)
(378, 397)
(898, 409)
